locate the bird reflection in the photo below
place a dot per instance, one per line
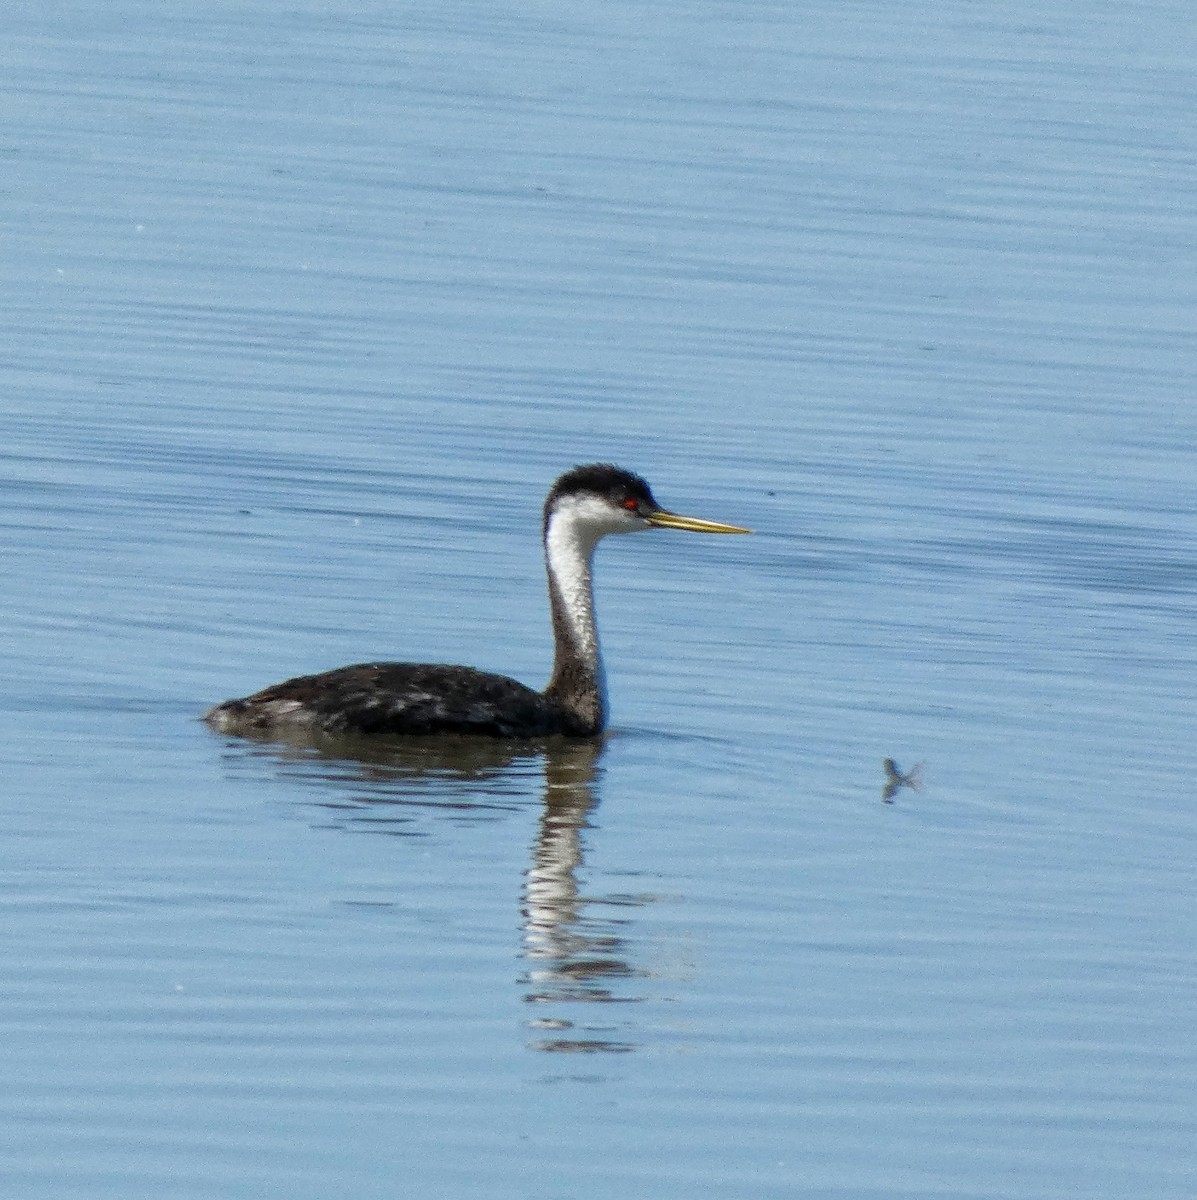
(896, 780)
(574, 956)
(574, 945)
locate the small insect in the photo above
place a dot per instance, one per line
(895, 780)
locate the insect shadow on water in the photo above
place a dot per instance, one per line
(896, 779)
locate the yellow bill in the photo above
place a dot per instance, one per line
(668, 520)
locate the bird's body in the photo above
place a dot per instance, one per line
(390, 698)
(399, 698)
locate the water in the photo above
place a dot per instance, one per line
(305, 309)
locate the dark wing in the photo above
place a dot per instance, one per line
(395, 698)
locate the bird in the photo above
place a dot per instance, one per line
(584, 505)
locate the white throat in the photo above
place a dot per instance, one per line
(569, 551)
(574, 529)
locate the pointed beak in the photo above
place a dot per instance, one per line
(667, 520)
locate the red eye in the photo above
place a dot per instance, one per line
(631, 504)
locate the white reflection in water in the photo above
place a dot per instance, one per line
(574, 956)
(400, 787)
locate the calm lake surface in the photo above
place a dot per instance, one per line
(306, 306)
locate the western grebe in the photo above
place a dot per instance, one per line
(381, 698)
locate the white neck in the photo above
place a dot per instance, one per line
(569, 552)
(574, 529)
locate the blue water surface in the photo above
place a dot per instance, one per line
(306, 306)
